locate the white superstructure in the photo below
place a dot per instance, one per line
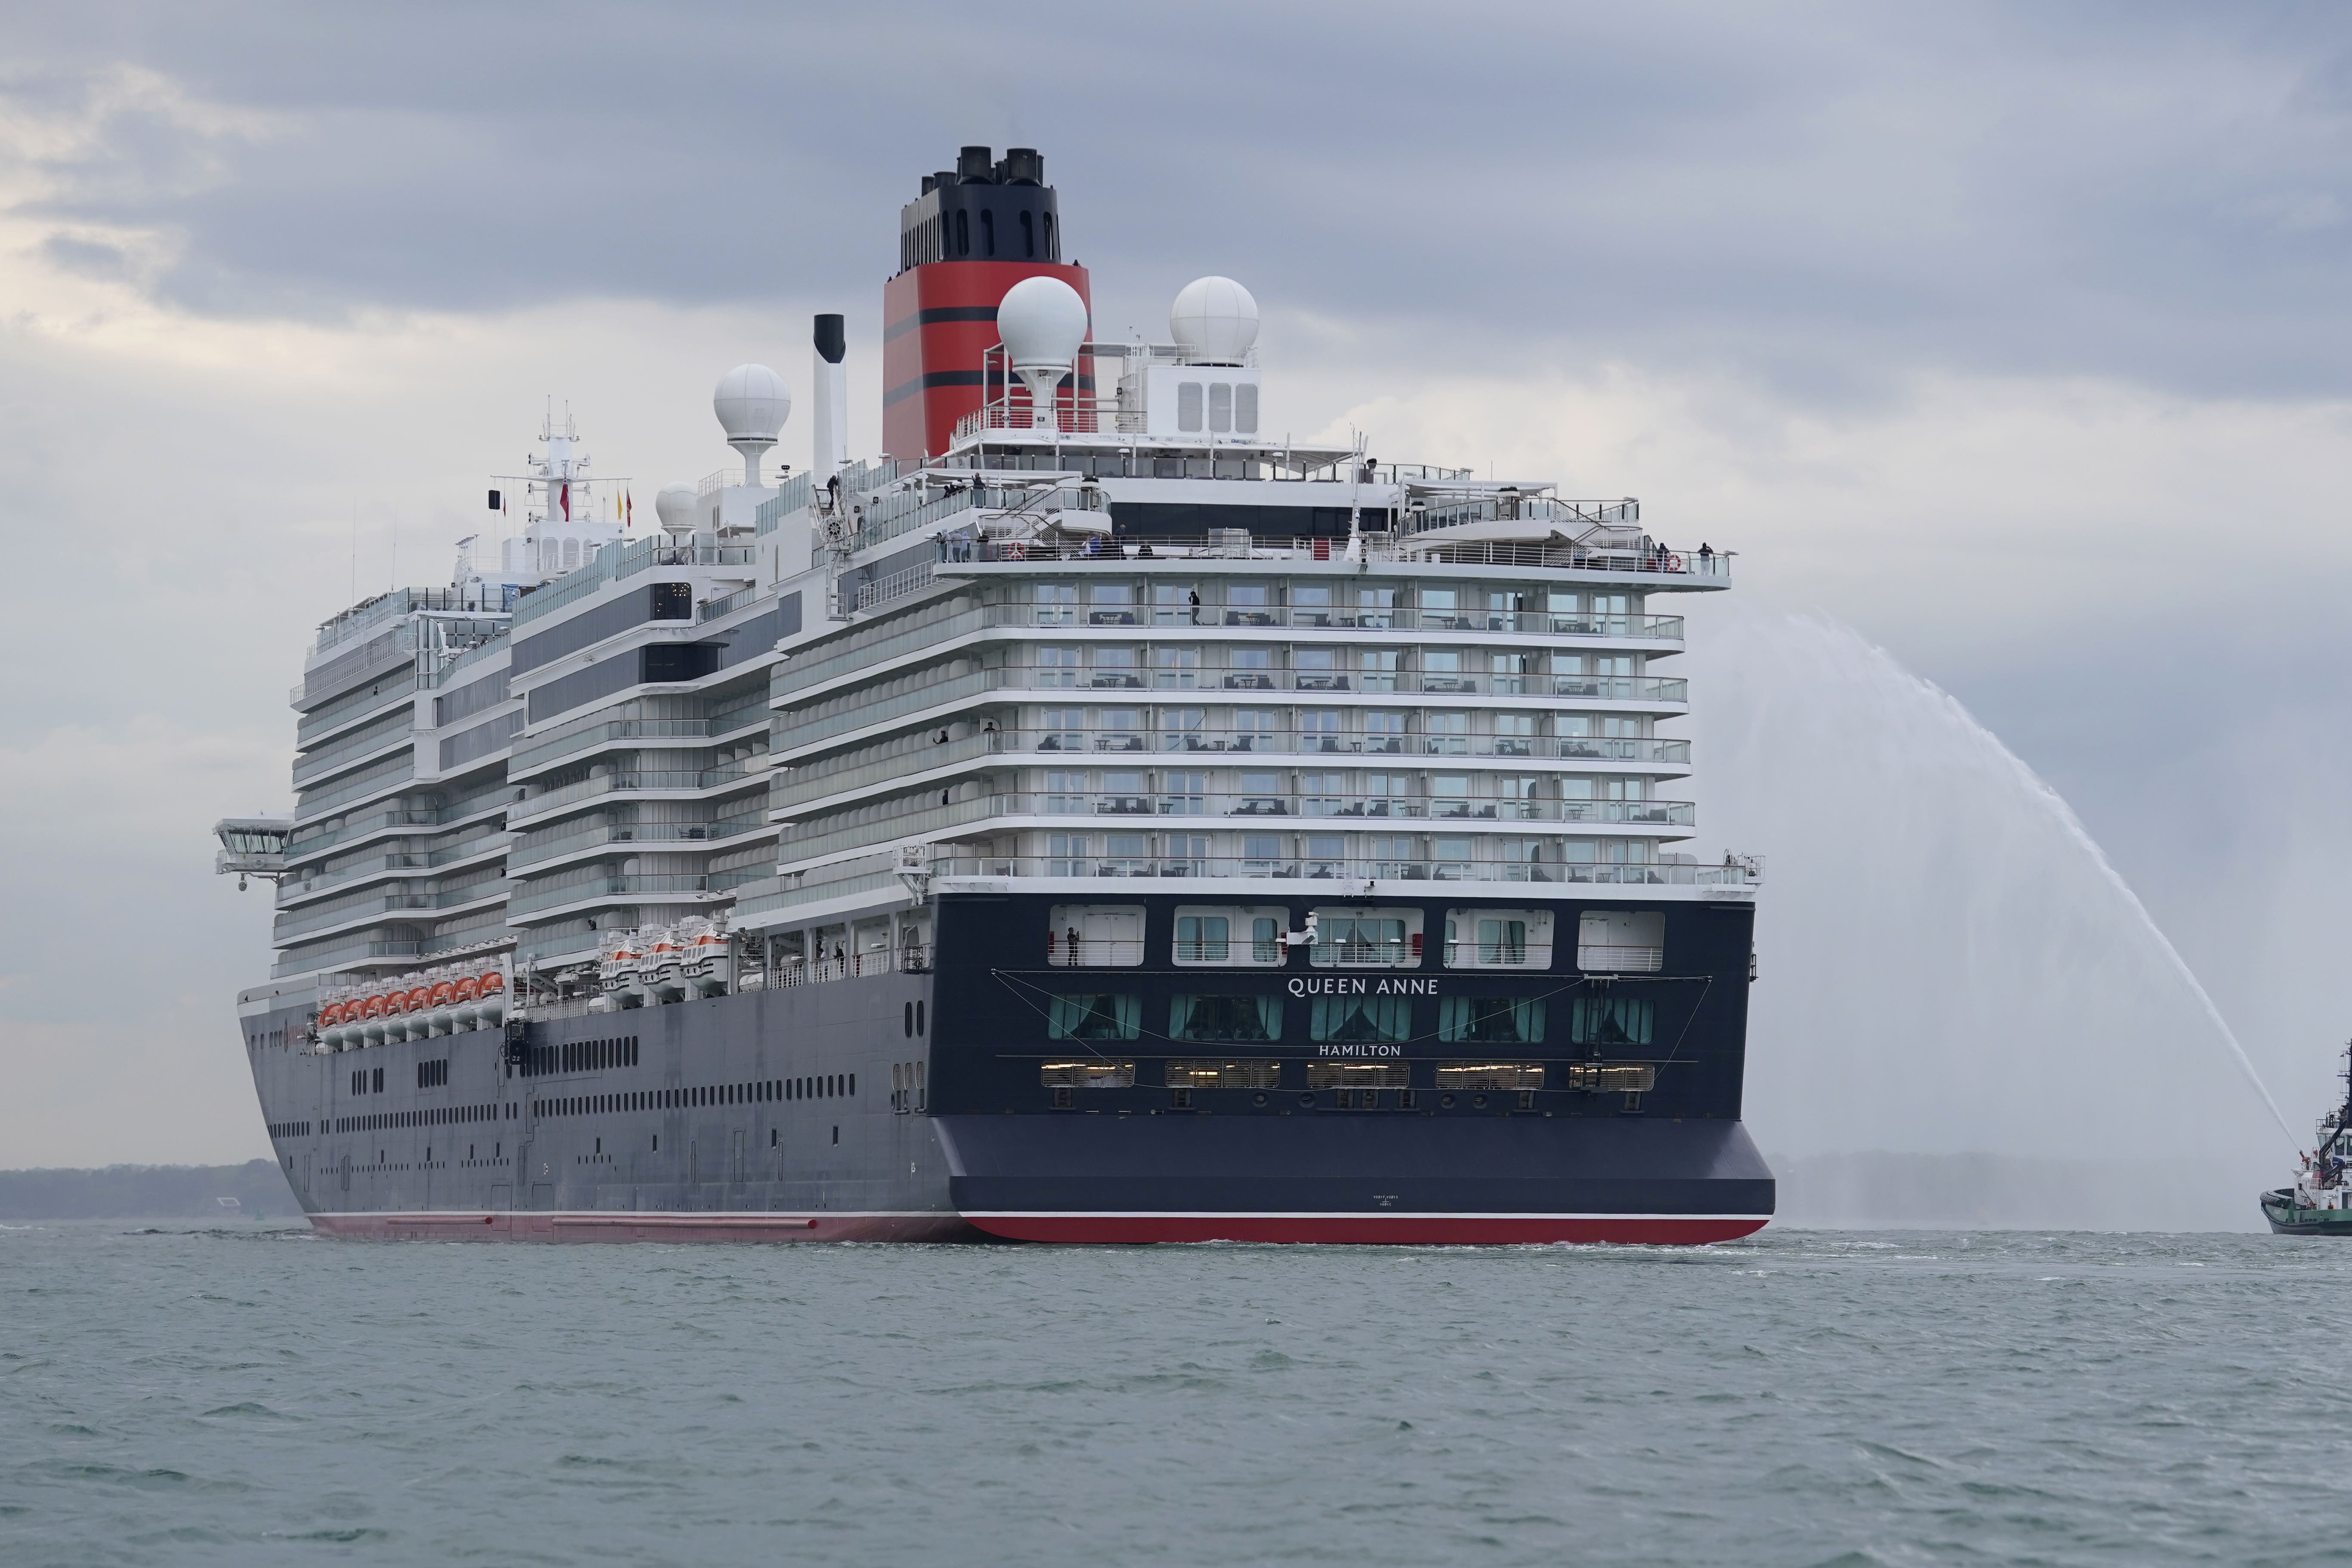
(1118, 637)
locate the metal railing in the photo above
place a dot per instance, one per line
(896, 586)
(711, 609)
(346, 709)
(1413, 682)
(823, 835)
(857, 770)
(389, 778)
(485, 600)
(1518, 622)
(1620, 958)
(534, 753)
(1210, 805)
(795, 970)
(616, 561)
(646, 833)
(633, 780)
(1340, 869)
(592, 889)
(318, 764)
(1133, 550)
(1291, 742)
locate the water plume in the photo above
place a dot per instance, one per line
(1949, 962)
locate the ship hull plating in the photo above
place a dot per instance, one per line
(1333, 1176)
(921, 1104)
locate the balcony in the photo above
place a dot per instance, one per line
(959, 861)
(320, 764)
(1210, 618)
(1647, 689)
(533, 753)
(1468, 811)
(597, 889)
(682, 781)
(813, 840)
(1289, 742)
(1669, 568)
(640, 834)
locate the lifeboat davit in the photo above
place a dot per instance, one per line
(442, 999)
(463, 990)
(493, 1006)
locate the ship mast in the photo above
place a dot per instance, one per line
(2326, 1165)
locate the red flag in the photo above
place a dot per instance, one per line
(631, 500)
(567, 500)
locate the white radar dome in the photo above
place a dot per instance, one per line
(753, 403)
(676, 506)
(1213, 321)
(1041, 322)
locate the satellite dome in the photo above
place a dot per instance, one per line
(676, 506)
(1213, 321)
(1041, 322)
(752, 404)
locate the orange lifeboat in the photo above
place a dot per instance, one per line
(493, 984)
(373, 1007)
(469, 986)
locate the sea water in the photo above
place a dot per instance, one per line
(246, 1394)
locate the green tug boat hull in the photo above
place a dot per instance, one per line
(2286, 1219)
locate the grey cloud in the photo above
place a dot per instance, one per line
(1819, 196)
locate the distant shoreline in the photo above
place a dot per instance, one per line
(258, 1189)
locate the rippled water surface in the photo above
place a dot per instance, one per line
(176, 1394)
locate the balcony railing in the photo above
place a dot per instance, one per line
(794, 969)
(635, 780)
(290, 891)
(1238, 545)
(590, 890)
(533, 753)
(960, 863)
(1354, 807)
(1381, 683)
(320, 764)
(836, 776)
(1518, 623)
(1293, 743)
(645, 834)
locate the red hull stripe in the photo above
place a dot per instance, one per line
(1399, 1229)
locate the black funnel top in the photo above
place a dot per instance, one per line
(983, 211)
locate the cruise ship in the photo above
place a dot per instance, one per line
(1099, 819)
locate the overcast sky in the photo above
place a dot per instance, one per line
(2015, 337)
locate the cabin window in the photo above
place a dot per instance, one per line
(1094, 1073)
(1610, 1021)
(1225, 1019)
(1358, 1075)
(1188, 405)
(1351, 937)
(1491, 1020)
(1092, 1016)
(1476, 1075)
(1497, 939)
(1362, 1019)
(1210, 1073)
